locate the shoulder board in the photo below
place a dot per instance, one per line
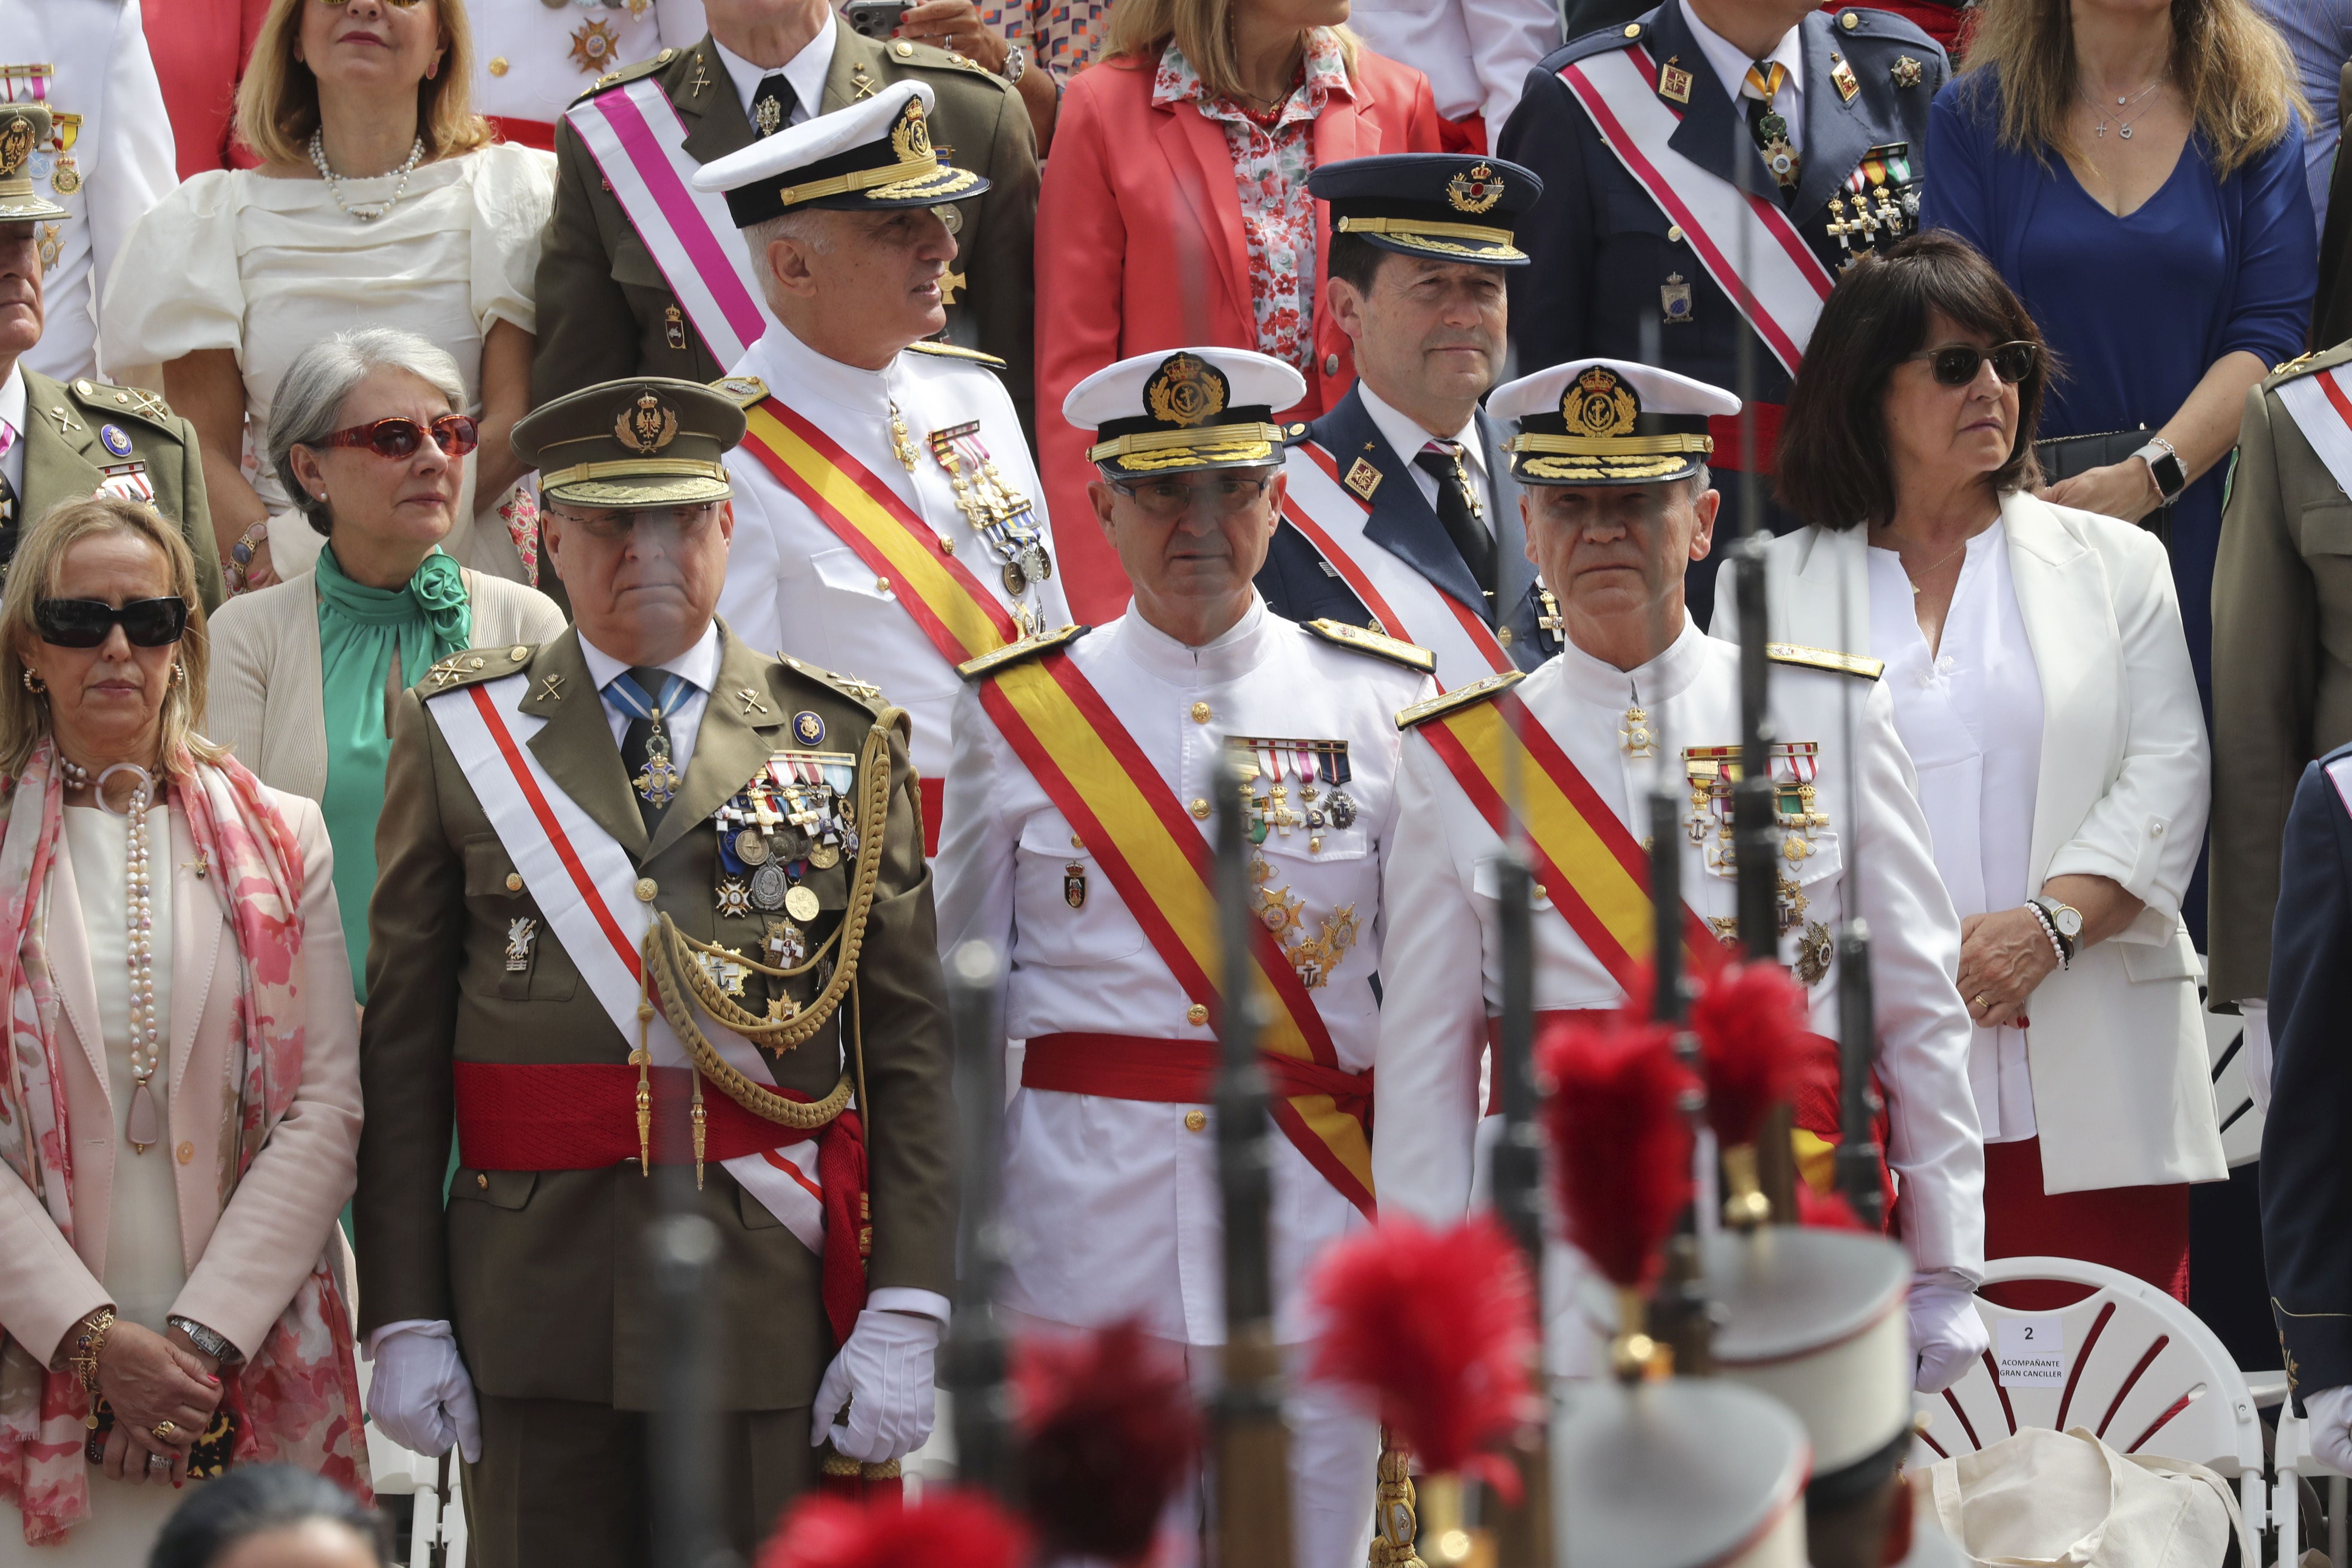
(1294, 434)
(1358, 640)
(1013, 653)
(2308, 363)
(1586, 45)
(742, 391)
(1468, 696)
(476, 665)
(128, 402)
(909, 52)
(627, 73)
(1823, 658)
(1869, 21)
(955, 351)
(865, 691)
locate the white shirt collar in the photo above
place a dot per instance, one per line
(1233, 653)
(1665, 677)
(1730, 66)
(697, 665)
(782, 361)
(1406, 437)
(806, 72)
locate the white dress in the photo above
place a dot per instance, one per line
(266, 266)
(145, 1256)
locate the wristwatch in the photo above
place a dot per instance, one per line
(2164, 465)
(2064, 918)
(211, 1341)
(1016, 65)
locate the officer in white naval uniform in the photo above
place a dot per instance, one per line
(1613, 457)
(1110, 1198)
(850, 254)
(531, 58)
(109, 158)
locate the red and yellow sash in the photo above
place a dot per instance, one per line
(1157, 858)
(1595, 870)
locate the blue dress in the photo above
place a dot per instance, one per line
(2135, 309)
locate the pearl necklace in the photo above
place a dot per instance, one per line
(143, 1127)
(366, 212)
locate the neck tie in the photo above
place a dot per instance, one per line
(644, 745)
(1458, 510)
(772, 103)
(1770, 130)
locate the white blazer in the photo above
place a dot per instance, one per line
(2117, 1050)
(262, 700)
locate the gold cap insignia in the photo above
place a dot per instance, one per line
(1187, 390)
(1599, 404)
(911, 137)
(646, 426)
(15, 144)
(1476, 190)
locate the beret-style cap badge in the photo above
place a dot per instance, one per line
(1186, 391)
(646, 426)
(1476, 190)
(1599, 404)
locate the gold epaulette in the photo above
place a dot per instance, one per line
(1015, 652)
(2310, 364)
(955, 351)
(627, 73)
(742, 391)
(475, 665)
(1358, 640)
(865, 691)
(1823, 658)
(1468, 696)
(133, 402)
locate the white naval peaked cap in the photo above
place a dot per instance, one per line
(1608, 422)
(1181, 410)
(876, 153)
(1660, 391)
(1684, 1472)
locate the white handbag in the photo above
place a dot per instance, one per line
(2065, 1500)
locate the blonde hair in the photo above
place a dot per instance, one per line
(2231, 66)
(277, 100)
(33, 575)
(1203, 29)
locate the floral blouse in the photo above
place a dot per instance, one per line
(1272, 158)
(1066, 36)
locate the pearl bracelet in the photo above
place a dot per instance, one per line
(2051, 931)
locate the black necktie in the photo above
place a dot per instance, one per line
(771, 105)
(1442, 461)
(654, 772)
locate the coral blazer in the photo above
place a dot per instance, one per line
(248, 1247)
(1143, 249)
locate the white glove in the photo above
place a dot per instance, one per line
(421, 1395)
(886, 1365)
(1946, 1335)
(2330, 1410)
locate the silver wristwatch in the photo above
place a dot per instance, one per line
(210, 1341)
(1016, 65)
(2065, 919)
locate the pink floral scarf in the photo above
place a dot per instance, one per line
(298, 1398)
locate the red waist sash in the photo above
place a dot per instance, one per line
(1175, 1072)
(583, 1116)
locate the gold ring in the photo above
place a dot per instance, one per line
(163, 1431)
(1984, 1001)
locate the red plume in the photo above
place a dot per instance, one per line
(946, 1525)
(1438, 1327)
(1753, 1023)
(1110, 1433)
(1621, 1146)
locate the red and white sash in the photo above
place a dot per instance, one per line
(1408, 605)
(1750, 249)
(639, 144)
(2322, 406)
(586, 890)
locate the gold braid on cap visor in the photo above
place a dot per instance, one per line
(890, 182)
(1414, 228)
(1155, 449)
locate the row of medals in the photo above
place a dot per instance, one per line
(770, 834)
(1316, 770)
(1004, 518)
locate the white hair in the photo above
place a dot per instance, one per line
(314, 386)
(803, 225)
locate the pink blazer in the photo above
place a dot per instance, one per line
(1141, 246)
(247, 1250)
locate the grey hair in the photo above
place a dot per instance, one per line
(1700, 483)
(803, 226)
(303, 412)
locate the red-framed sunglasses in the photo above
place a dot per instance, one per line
(455, 433)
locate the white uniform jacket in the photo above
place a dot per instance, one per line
(794, 586)
(2116, 1053)
(1110, 1207)
(1443, 976)
(122, 157)
(530, 61)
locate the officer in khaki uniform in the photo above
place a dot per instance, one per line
(595, 270)
(646, 787)
(61, 440)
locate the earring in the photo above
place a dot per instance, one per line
(179, 673)
(34, 683)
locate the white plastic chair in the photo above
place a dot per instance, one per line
(2135, 1368)
(2293, 1458)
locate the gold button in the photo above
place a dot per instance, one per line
(481, 1180)
(647, 890)
(519, 652)
(476, 663)
(1201, 809)
(1330, 364)
(1194, 1121)
(1675, 233)
(1849, 21)
(947, 545)
(1503, 635)
(185, 1153)
(881, 585)
(664, 58)
(1076, 843)
(1539, 892)
(1196, 1014)
(514, 881)
(1632, 29)
(85, 388)
(1314, 844)
(1200, 712)
(497, 65)
(123, 398)
(902, 48)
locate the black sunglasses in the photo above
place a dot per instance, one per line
(1956, 364)
(85, 623)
